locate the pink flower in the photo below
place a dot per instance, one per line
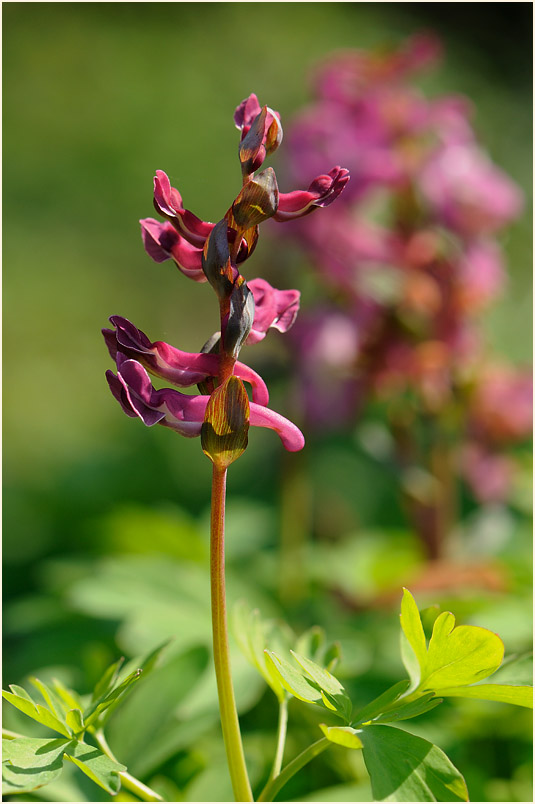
(501, 408)
(132, 388)
(162, 242)
(321, 192)
(467, 191)
(273, 309)
(181, 368)
(488, 474)
(481, 274)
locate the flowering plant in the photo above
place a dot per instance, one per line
(401, 766)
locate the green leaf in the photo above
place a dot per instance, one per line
(404, 711)
(36, 711)
(70, 699)
(404, 767)
(75, 721)
(95, 764)
(505, 693)
(462, 655)
(342, 735)
(411, 625)
(336, 694)
(379, 704)
(30, 763)
(53, 703)
(107, 680)
(110, 698)
(294, 681)
(253, 634)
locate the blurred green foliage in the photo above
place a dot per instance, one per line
(105, 522)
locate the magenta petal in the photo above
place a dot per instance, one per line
(290, 435)
(150, 232)
(167, 199)
(321, 192)
(273, 308)
(259, 388)
(162, 241)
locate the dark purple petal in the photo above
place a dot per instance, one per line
(322, 192)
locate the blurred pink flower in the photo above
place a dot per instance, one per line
(467, 191)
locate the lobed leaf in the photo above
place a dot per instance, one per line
(94, 763)
(30, 763)
(36, 711)
(293, 680)
(505, 693)
(404, 767)
(337, 698)
(462, 655)
(412, 628)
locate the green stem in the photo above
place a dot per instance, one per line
(274, 785)
(227, 705)
(281, 738)
(128, 781)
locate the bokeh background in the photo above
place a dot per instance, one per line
(105, 522)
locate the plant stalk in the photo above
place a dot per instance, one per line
(227, 705)
(274, 785)
(281, 738)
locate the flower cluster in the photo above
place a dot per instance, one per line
(215, 253)
(410, 255)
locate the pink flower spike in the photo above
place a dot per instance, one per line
(273, 308)
(168, 202)
(162, 242)
(322, 192)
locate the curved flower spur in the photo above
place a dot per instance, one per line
(221, 413)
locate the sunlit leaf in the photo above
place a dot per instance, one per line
(36, 711)
(293, 680)
(75, 721)
(505, 693)
(100, 768)
(411, 625)
(30, 763)
(461, 655)
(337, 697)
(404, 767)
(342, 735)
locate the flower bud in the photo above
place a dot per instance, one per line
(240, 319)
(257, 201)
(226, 423)
(216, 262)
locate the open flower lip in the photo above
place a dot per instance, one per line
(183, 369)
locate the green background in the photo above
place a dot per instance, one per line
(96, 97)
